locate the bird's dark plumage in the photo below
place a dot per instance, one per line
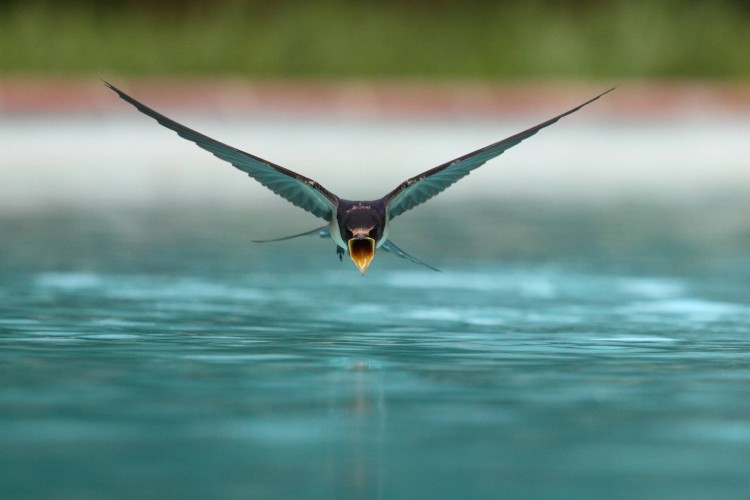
(359, 227)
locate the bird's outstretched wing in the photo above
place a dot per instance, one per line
(388, 246)
(295, 188)
(424, 186)
(322, 231)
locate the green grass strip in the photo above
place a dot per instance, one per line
(386, 39)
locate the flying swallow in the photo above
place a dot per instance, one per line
(358, 228)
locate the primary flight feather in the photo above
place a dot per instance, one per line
(359, 228)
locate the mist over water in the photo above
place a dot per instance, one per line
(105, 162)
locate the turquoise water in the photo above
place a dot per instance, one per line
(560, 353)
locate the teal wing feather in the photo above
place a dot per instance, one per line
(424, 186)
(295, 188)
(388, 246)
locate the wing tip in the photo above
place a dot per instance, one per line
(110, 86)
(597, 97)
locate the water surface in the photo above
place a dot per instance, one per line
(565, 354)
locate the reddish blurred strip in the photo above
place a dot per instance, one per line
(374, 99)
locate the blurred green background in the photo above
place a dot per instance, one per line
(461, 39)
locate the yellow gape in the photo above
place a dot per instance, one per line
(362, 250)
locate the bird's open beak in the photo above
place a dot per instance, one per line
(362, 250)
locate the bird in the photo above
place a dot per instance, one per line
(358, 227)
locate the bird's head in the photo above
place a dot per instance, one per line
(362, 225)
(361, 245)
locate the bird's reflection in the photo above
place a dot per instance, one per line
(365, 419)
